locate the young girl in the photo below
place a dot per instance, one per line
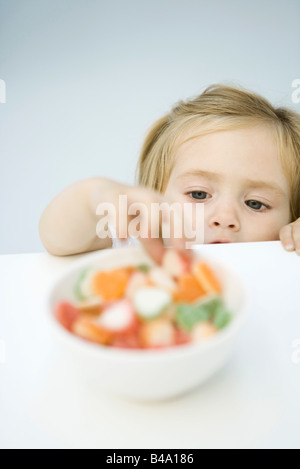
(228, 149)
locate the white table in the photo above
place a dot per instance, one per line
(252, 403)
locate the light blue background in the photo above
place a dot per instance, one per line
(85, 80)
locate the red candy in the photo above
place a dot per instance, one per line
(67, 315)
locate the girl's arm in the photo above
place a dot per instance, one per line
(68, 224)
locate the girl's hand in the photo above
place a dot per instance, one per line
(154, 245)
(290, 236)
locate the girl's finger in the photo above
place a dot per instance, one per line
(154, 247)
(296, 236)
(172, 230)
(286, 237)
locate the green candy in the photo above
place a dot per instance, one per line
(78, 286)
(212, 308)
(144, 268)
(221, 318)
(220, 315)
(188, 315)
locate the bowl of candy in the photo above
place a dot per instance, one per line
(142, 330)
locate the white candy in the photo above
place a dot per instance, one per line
(174, 264)
(137, 280)
(151, 301)
(163, 280)
(116, 317)
(86, 286)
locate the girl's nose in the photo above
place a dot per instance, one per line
(225, 218)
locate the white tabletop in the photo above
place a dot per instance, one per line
(252, 403)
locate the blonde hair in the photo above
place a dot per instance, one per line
(218, 108)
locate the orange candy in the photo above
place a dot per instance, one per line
(86, 329)
(189, 289)
(111, 285)
(206, 278)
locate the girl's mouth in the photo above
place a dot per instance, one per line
(221, 241)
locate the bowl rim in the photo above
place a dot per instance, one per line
(124, 354)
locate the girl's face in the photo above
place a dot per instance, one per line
(238, 177)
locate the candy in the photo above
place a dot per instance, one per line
(207, 278)
(188, 289)
(66, 314)
(182, 337)
(137, 280)
(87, 329)
(222, 318)
(188, 315)
(144, 268)
(129, 341)
(111, 285)
(118, 318)
(175, 264)
(203, 331)
(157, 333)
(146, 306)
(161, 278)
(149, 302)
(91, 306)
(84, 286)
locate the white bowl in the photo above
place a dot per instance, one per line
(145, 374)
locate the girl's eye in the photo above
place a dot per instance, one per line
(198, 195)
(255, 205)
